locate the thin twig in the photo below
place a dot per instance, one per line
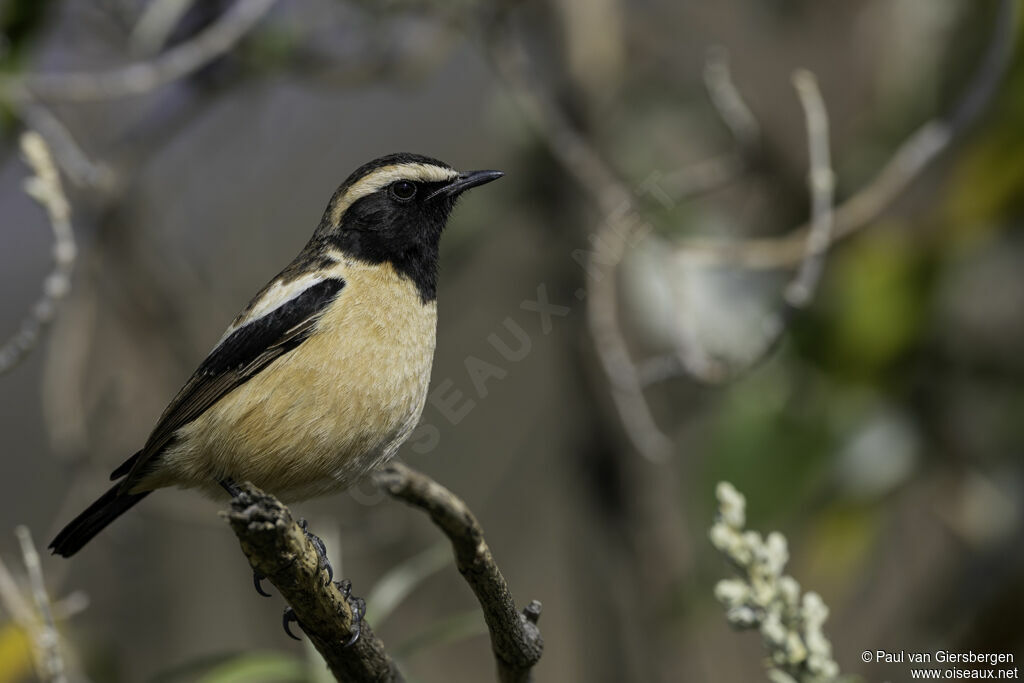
(13, 602)
(710, 174)
(821, 182)
(623, 226)
(905, 165)
(620, 228)
(728, 101)
(45, 634)
(515, 637)
(279, 550)
(45, 188)
(158, 20)
(146, 76)
(689, 356)
(79, 168)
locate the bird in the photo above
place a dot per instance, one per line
(324, 374)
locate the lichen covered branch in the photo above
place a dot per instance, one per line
(515, 637)
(278, 549)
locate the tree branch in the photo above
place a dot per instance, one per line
(801, 288)
(515, 637)
(44, 633)
(45, 188)
(909, 160)
(621, 226)
(278, 549)
(143, 77)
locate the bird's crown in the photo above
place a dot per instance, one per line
(375, 175)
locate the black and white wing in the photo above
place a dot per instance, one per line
(270, 327)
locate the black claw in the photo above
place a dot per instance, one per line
(358, 606)
(345, 586)
(286, 620)
(321, 550)
(257, 582)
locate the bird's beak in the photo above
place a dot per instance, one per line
(466, 180)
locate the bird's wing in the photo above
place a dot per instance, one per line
(248, 348)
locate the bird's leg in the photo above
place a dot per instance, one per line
(321, 549)
(231, 487)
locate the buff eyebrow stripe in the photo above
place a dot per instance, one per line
(246, 343)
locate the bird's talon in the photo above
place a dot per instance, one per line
(355, 636)
(286, 620)
(257, 582)
(358, 607)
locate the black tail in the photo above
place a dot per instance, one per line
(96, 517)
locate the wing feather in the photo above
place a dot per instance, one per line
(238, 358)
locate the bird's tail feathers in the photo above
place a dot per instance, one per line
(96, 517)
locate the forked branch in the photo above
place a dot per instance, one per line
(278, 549)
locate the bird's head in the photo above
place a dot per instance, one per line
(393, 209)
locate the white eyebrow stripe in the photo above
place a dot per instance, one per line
(277, 295)
(385, 175)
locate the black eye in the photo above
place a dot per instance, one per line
(403, 190)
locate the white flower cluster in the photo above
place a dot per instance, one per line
(766, 599)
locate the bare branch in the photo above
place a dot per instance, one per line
(45, 635)
(515, 637)
(278, 549)
(144, 77)
(79, 168)
(728, 101)
(13, 602)
(582, 161)
(821, 181)
(798, 294)
(45, 188)
(905, 165)
(158, 20)
(716, 172)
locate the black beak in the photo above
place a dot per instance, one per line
(466, 180)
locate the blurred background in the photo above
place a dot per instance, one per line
(596, 401)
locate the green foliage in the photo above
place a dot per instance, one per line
(771, 440)
(987, 180)
(250, 667)
(20, 21)
(258, 667)
(451, 629)
(872, 307)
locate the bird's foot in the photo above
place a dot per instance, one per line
(321, 553)
(321, 550)
(357, 605)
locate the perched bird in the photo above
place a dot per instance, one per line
(324, 374)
